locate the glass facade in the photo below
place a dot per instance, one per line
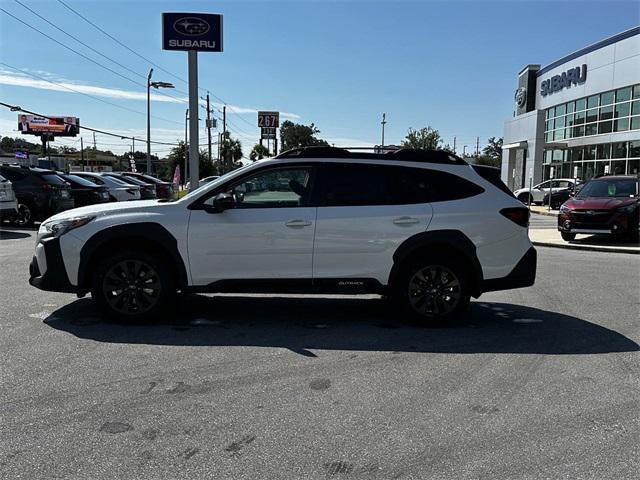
(612, 111)
(621, 158)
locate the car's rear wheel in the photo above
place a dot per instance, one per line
(567, 236)
(23, 217)
(132, 286)
(525, 198)
(433, 289)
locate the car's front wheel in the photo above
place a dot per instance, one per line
(525, 198)
(132, 286)
(567, 236)
(433, 290)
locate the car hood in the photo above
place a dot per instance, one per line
(105, 209)
(599, 203)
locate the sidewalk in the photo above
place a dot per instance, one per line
(544, 210)
(597, 243)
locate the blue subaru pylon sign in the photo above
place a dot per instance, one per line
(192, 31)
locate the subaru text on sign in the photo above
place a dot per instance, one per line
(192, 31)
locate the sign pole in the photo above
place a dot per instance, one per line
(194, 154)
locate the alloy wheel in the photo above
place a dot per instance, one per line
(131, 287)
(23, 217)
(434, 291)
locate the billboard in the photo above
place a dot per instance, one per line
(57, 126)
(268, 119)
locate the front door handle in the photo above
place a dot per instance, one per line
(405, 220)
(298, 223)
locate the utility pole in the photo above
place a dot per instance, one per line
(383, 123)
(209, 126)
(454, 145)
(149, 122)
(81, 151)
(186, 145)
(477, 147)
(95, 149)
(224, 137)
(464, 150)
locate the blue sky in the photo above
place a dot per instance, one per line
(452, 65)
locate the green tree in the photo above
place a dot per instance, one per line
(296, 135)
(230, 153)
(426, 138)
(177, 156)
(493, 149)
(259, 152)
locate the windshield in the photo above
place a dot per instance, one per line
(79, 180)
(222, 178)
(626, 187)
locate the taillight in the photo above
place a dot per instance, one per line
(47, 186)
(519, 215)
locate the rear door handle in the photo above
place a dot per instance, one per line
(405, 220)
(297, 223)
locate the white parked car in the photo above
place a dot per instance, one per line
(8, 203)
(537, 192)
(422, 227)
(119, 191)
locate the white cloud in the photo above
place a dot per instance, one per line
(10, 77)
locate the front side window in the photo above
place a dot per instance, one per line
(274, 188)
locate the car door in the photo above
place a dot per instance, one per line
(540, 190)
(365, 212)
(267, 234)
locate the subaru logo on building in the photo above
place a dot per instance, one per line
(192, 26)
(521, 97)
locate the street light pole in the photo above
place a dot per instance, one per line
(383, 122)
(149, 121)
(155, 85)
(186, 151)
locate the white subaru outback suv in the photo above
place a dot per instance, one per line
(423, 228)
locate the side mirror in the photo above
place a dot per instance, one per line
(221, 202)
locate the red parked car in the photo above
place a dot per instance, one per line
(608, 205)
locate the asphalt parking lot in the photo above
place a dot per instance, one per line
(538, 383)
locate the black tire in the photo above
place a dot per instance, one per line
(118, 286)
(568, 237)
(525, 198)
(24, 217)
(433, 289)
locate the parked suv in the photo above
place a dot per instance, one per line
(422, 227)
(538, 192)
(40, 193)
(605, 205)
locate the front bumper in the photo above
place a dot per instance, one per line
(55, 278)
(522, 275)
(601, 222)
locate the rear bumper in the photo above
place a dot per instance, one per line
(522, 275)
(55, 278)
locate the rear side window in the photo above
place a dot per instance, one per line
(358, 184)
(53, 179)
(13, 175)
(79, 180)
(92, 179)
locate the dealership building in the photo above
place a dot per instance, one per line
(577, 117)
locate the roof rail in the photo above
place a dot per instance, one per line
(402, 155)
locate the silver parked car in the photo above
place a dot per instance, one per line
(119, 191)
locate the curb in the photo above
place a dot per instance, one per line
(592, 248)
(547, 214)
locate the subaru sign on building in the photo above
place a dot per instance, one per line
(578, 116)
(192, 31)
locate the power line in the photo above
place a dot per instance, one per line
(17, 108)
(86, 57)
(87, 94)
(143, 57)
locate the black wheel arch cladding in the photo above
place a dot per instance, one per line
(151, 234)
(450, 240)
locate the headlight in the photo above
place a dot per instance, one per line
(628, 209)
(564, 209)
(56, 228)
